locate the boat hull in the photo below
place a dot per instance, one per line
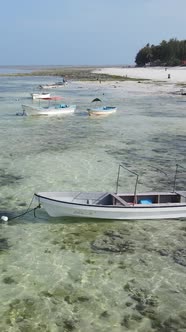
(48, 111)
(102, 110)
(40, 95)
(53, 86)
(59, 208)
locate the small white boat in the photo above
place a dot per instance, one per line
(53, 85)
(101, 110)
(125, 206)
(43, 95)
(104, 110)
(60, 109)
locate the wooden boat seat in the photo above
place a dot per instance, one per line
(119, 199)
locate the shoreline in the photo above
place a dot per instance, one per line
(161, 74)
(176, 75)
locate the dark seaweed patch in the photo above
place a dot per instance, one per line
(179, 256)
(113, 241)
(7, 179)
(8, 280)
(4, 244)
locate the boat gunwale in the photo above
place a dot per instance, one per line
(132, 206)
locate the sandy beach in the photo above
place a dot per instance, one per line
(176, 74)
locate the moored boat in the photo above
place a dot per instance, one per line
(153, 205)
(104, 110)
(53, 85)
(105, 205)
(100, 110)
(42, 95)
(60, 109)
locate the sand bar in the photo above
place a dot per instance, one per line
(169, 74)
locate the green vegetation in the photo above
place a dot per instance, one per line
(171, 53)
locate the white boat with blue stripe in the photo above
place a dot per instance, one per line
(100, 110)
(105, 110)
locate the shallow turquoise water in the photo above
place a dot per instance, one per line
(51, 278)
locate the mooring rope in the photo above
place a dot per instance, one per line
(28, 210)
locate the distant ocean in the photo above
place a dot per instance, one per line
(26, 69)
(14, 69)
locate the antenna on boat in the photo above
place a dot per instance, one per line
(175, 176)
(117, 181)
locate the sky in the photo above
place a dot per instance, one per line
(86, 32)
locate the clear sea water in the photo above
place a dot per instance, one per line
(52, 279)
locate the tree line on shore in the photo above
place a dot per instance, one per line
(167, 53)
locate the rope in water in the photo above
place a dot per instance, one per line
(28, 210)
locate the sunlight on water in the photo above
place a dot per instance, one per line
(55, 274)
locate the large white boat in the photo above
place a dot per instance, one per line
(60, 109)
(104, 205)
(153, 205)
